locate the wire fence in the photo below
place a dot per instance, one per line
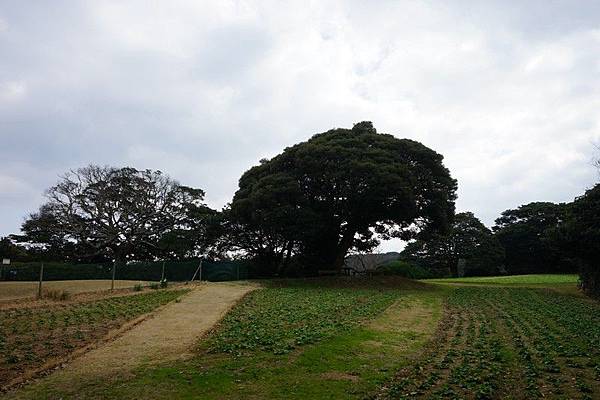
(176, 271)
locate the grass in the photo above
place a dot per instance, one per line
(536, 279)
(300, 339)
(29, 337)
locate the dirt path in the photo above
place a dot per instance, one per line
(168, 335)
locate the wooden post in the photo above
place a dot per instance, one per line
(198, 271)
(112, 282)
(162, 276)
(41, 280)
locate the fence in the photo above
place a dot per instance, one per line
(177, 271)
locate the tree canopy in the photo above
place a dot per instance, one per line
(584, 229)
(118, 213)
(526, 235)
(468, 240)
(342, 189)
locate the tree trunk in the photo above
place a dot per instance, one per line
(342, 249)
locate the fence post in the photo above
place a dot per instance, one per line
(41, 280)
(162, 276)
(198, 270)
(112, 282)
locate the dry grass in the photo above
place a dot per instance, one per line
(20, 290)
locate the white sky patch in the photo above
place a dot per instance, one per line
(12, 91)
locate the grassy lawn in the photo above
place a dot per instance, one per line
(298, 339)
(30, 337)
(513, 280)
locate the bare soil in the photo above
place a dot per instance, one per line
(21, 290)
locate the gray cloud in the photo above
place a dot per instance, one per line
(507, 91)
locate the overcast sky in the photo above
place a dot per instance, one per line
(507, 91)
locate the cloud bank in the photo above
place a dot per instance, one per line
(508, 92)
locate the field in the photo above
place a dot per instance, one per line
(32, 337)
(508, 343)
(382, 338)
(18, 290)
(513, 280)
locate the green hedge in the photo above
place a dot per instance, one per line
(405, 269)
(177, 271)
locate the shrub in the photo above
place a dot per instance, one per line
(154, 285)
(56, 294)
(137, 288)
(163, 283)
(405, 269)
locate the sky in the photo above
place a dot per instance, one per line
(507, 91)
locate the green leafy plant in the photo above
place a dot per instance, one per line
(405, 269)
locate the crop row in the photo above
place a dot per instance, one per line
(508, 343)
(30, 337)
(280, 319)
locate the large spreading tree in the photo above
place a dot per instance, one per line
(118, 214)
(343, 189)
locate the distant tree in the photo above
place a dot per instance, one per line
(343, 189)
(526, 235)
(469, 240)
(118, 214)
(11, 250)
(584, 228)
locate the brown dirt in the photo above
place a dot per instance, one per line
(170, 334)
(10, 291)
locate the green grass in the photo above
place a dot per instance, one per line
(300, 339)
(537, 279)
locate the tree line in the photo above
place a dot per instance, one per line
(305, 210)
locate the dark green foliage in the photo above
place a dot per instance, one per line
(468, 240)
(177, 271)
(343, 189)
(584, 230)
(9, 249)
(528, 237)
(405, 269)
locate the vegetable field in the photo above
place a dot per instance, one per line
(533, 337)
(30, 337)
(508, 343)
